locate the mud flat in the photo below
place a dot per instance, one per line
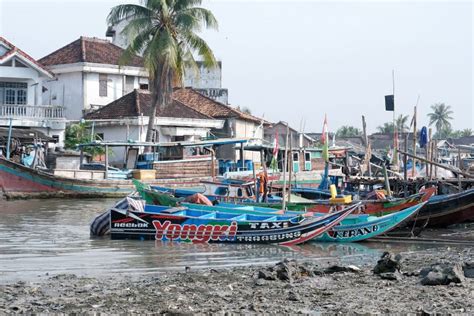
(401, 285)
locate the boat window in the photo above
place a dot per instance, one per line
(239, 192)
(221, 191)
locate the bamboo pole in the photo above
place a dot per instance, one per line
(366, 143)
(438, 164)
(427, 152)
(414, 144)
(291, 168)
(285, 160)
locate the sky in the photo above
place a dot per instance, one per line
(296, 61)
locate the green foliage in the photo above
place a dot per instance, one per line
(348, 131)
(441, 117)
(164, 32)
(386, 128)
(402, 123)
(447, 132)
(466, 132)
(80, 133)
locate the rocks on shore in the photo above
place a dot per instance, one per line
(442, 274)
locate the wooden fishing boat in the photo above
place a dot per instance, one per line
(17, 180)
(198, 226)
(354, 228)
(371, 207)
(445, 210)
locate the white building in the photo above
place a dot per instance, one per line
(126, 119)
(88, 76)
(207, 81)
(22, 80)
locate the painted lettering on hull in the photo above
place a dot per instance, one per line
(351, 233)
(194, 233)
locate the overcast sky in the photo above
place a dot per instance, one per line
(297, 60)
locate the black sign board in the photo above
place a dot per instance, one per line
(389, 103)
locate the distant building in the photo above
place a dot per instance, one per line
(208, 81)
(22, 82)
(237, 124)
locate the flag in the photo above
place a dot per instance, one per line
(325, 140)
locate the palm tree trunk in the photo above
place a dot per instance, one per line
(161, 90)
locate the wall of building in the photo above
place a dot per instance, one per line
(66, 90)
(247, 129)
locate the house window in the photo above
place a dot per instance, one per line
(102, 85)
(13, 92)
(144, 86)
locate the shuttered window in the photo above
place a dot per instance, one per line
(102, 85)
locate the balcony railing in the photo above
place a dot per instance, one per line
(31, 111)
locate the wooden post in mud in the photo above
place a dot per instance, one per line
(242, 156)
(427, 149)
(291, 168)
(387, 183)
(81, 158)
(106, 162)
(284, 167)
(255, 182)
(414, 141)
(366, 144)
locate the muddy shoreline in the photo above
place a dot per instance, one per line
(314, 289)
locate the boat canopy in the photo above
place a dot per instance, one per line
(203, 143)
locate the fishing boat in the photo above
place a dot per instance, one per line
(445, 210)
(183, 224)
(18, 180)
(371, 207)
(354, 228)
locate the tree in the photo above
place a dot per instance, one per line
(386, 128)
(164, 33)
(440, 116)
(80, 133)
(348, 131)
(467, 132)
(401, 123)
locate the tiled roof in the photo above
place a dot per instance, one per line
(209, 106)
(91, 50)
(15, 50)
(139, 101)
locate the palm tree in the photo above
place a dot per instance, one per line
(467, 132)
(401, 123)
(164, 33)
(348, 131)
(386, 128)
(440, 116)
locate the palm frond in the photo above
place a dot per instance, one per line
(126, 11)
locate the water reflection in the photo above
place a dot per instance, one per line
(39, 237)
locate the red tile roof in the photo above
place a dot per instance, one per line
(13, 49)
(90, 50)
(139, 101)
(211, 107)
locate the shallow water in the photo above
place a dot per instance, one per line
(40, 238)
